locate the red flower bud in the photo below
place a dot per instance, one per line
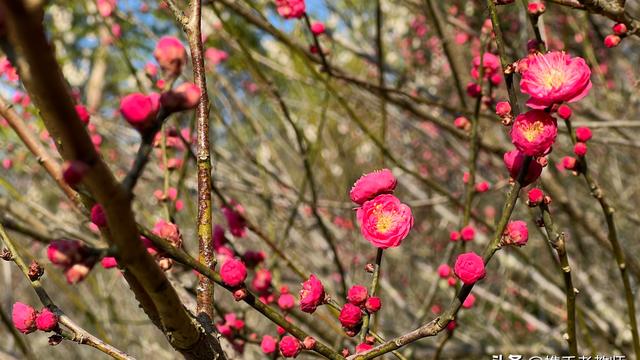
(171, 55)
(140, 110)
(83, 114)
(77, 273)
(536, 8)
(444, 271)
(268, 344)
(74, 171)
(233, 272)
(467, 233)
(569, 162)
(24, 318)
(357, 295)
(612, 40)
(311, 295)
(503, 108)
(373, 304)
(620, 29)
(535, 196)
(469, 301)
(46, 320)
(98, 217)
(108, 262)
(580, 149)
(469, 268)
(317, 28)
(185, 96)
(65, 252)
(565, 112)
(290, 346)
(362, 347)
(583, 134)
(350, 316)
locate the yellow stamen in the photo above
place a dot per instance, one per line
(554, 78)
(384, 223)
(385, 220)
(532, 131)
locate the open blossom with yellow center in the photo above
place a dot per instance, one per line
(553, 78)
(385, 221)
(534, 132)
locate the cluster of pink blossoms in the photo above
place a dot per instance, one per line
(142, 110)
(551, 80)
(312, 295)
(73, 256)
(384, 220)
(106, 7)
(77, 259)
(232, 328)
(358, 300)
(27, 320)
(289, 9)
(619, 32)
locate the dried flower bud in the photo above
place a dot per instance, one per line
(165, 264)
(309, 343)
(55, 339)
(6, 255)
(240, 294)
(370, 268)
(35, 271)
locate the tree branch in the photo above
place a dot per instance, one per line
(44, 80)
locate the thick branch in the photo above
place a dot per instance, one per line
(44, 81)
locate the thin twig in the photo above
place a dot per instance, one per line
(80, 335)
(272, 314)
(372, 292)
(558, 242)
(608, 212)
